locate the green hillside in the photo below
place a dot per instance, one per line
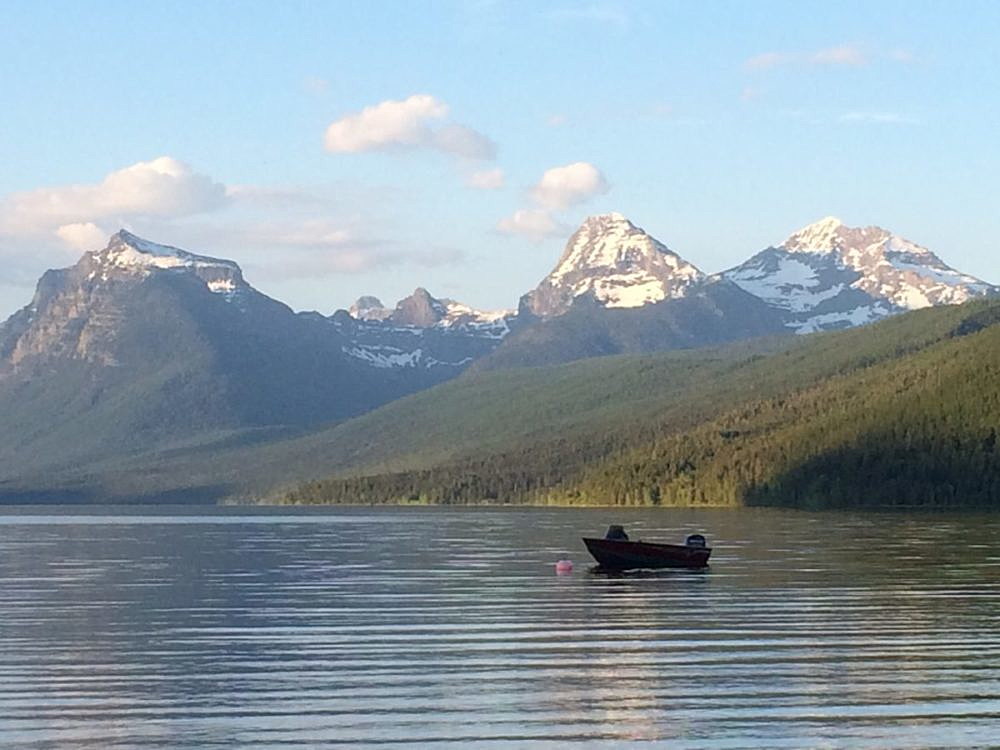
(903, 412)
(675, 427)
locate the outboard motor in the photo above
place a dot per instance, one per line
(695, 540)
(616, 532)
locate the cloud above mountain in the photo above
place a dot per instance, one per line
(417, 122)
(162, 187)
(281, 232)
(487, 179)
(534, 223)
(562, 187)
(559, 189)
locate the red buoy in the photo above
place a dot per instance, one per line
(564, 567)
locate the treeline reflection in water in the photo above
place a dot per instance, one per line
(448, 627)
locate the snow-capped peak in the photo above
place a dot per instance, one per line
(820, 236)
(615, 262)
(830, 275)
(134, 255)
(126, 250)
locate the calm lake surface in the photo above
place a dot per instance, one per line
(432, 627)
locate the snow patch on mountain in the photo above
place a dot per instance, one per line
(389, 357)
(421, 331)
(788, 283)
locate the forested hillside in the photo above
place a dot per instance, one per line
(905, 412)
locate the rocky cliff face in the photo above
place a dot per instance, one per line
(80, 312)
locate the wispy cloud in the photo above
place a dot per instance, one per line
(880, 118)
(487, 179)
(288, 231)
(319, 247)
(534, 223)
(850, 55)
(767, 60)
(844, 54)
(315, 85)
(605, 14)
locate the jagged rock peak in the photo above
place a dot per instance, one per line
(368, 307)
(616, 263)
(419, 309)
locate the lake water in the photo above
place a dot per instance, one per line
(432, 627)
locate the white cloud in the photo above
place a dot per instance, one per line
(389, 124)
(163, 187)
(556, 120)
(536, 224)
(562, 187)
(557, 190)
(82, 235)
(487, 179)
(412, 123)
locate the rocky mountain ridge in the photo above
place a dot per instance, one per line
(422, 331)
(826, 275)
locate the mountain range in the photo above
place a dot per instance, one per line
(142, 349)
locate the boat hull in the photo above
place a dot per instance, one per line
(618, 554)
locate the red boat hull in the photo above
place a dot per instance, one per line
(618, 554)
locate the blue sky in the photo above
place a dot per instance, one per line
(335, 149)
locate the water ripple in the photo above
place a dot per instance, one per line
(448, 628)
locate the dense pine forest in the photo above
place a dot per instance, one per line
(903, 413)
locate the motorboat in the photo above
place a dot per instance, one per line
(617, 552)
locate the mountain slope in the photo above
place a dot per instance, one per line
(617, 290)
(828, 276)
(913, 399)
(139, 345)
(709, 313)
